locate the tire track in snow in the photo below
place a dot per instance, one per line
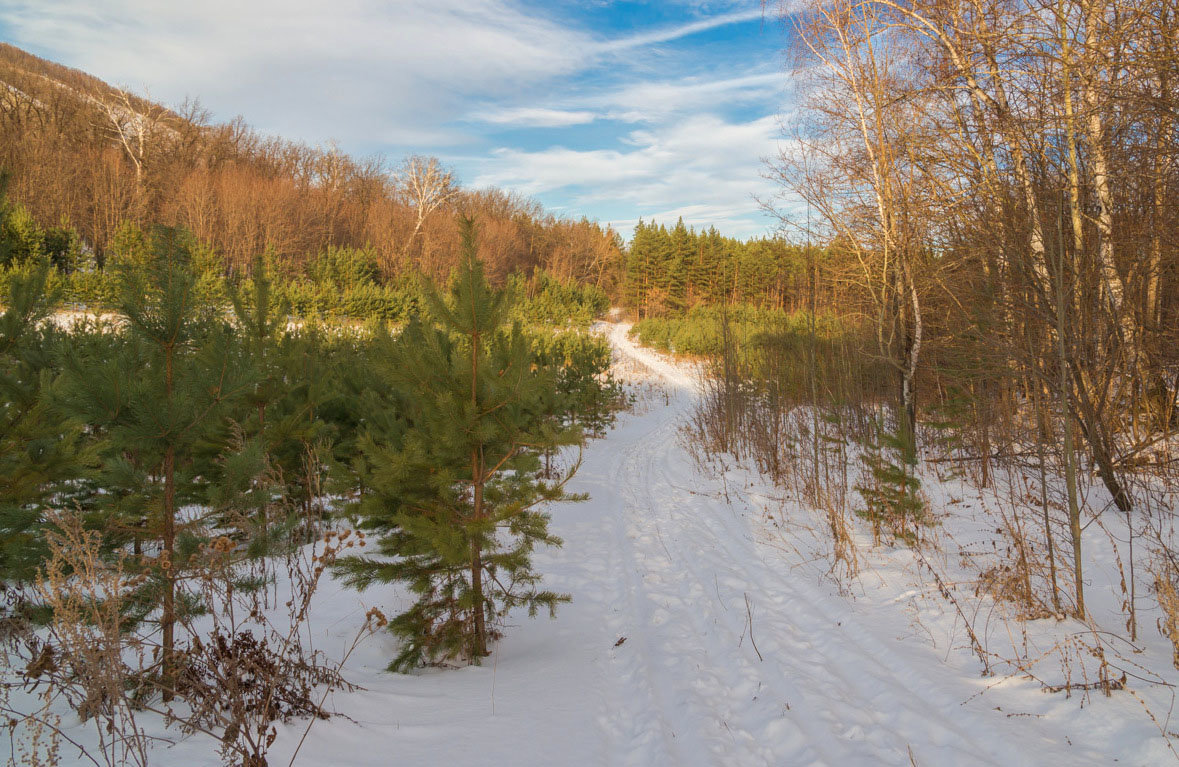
(732, 711)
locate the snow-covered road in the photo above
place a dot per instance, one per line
(688, 642)
(730, 657)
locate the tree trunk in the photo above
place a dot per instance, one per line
(1070, 469)
(168, 616)
(168, 613)
(479, 635)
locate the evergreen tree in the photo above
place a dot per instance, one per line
(890, 488)
(260, 318)
(234, 456)
(162, 386)
(38, 452)
(681, 250)
(669, 272)
(129, 248)
(23, 239)
(454, 489)
(62, 246)
(8, 242)
(638, 276)
(312, 421)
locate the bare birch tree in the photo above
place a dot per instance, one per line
(427, 186)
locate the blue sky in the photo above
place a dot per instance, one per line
(612, 110)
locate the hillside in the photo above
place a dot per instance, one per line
(85, 153)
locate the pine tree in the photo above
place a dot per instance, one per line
(890, 486)
(38, 451)
(637, 278)
(157, 390)
(308, 425)
(681, 250)
(8, 243)
(454, 489)
(260, 319)
(715, 266)
(235, 457)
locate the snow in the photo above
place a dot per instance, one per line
(699, 634)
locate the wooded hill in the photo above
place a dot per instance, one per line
(90, 158)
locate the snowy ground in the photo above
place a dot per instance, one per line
(696, 638)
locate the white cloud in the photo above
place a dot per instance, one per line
(704, 168)
(335, 68)
(645, 102)
(537, 117)
(648, 101)
(343, 69)
(682, 30)
(436, 76)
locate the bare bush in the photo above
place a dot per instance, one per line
(249, 670)
(244, 668)
(87, 657)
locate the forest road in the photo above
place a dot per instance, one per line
(731, 657)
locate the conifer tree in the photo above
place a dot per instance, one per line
(259, 317)
(304, 423)
(681, 249)
(235, 456)
(454, 492)
(7, 240)
(159, 391)
(637, 277)
(38, 451)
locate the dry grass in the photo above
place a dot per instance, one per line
(87, 656)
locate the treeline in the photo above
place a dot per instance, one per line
(89, 159)
(668, 271)
(158, 469)
(89, 163)
(341, 283)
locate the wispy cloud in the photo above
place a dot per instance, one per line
(680, 31)
(341, 69)
(644, 102)
(537, 117)
(705, 168)
(447, 77)
(650, 100)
